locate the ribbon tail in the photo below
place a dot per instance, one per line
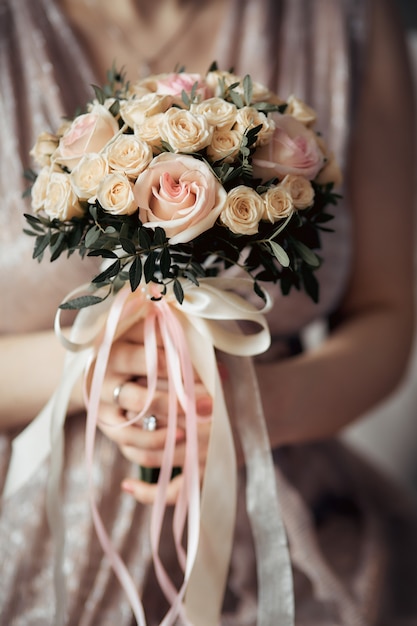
(275, 584)
(33, 445)
(205, 590)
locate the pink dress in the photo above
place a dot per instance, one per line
(352, 534)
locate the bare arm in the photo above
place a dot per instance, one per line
(365, 356)
(30, 369)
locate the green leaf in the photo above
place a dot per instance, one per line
(311, 284)
(41, 243)
(135, 273)
(149, 267)
(165, 262)
(247, 89)
(159, 237)
(191, 276)
(99, 93)
(236, 99)
(81, 302)
(144, 239)
(115, 108)
(178, 291)
(34, 222)
(30, 233)
(91, 236)
(127, 245)
(280, 254)
(167, 146)
(305, 253)
(103, 252)
(58, 247)
(110, 271)
(185, 98)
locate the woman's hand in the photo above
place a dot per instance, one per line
(127, 375)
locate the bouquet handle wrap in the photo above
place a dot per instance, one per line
(200, 320)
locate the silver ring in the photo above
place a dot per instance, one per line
(116, 393)
(149, 423)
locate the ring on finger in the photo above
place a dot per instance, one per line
(149, 423)
(117, 391)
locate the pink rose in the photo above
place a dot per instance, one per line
(174, 84)
(88, 133)
(180, 194)
(293, 149)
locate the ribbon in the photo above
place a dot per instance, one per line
(191, 332)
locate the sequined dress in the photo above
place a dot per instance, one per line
(342, 517)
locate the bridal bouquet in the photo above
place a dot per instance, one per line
(172, 182)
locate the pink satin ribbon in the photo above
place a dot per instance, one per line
(181, 390)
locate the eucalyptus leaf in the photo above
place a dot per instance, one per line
(280, 254)
(247, 89)
(236, 99)
(91, 236)
(305, 253)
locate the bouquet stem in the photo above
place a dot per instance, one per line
(150, 475)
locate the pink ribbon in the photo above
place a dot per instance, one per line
(181, 390)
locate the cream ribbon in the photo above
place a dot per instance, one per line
(208, 315)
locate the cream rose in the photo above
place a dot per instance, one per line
(128, 154)
(300, 190)
(115, 194)
(301, 111)
(88, 174)
(44, 148)
(225, 145)
(88, 133)
(40, 188)
(218, 112)
(278, 204)
(61, 201)
(181, 195)
(293, 149)
(243, 211)
(135, 111)
(184, 131)
(149, 131)
(248, 118)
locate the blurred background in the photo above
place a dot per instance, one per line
(389, 433)
(408, 10)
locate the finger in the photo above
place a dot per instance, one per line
(129, 359)
(133, 396)
(146, 493)
(136, 334)
(153, 456)
(113, 424)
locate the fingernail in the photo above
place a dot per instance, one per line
(127, 486)
(204, 405)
